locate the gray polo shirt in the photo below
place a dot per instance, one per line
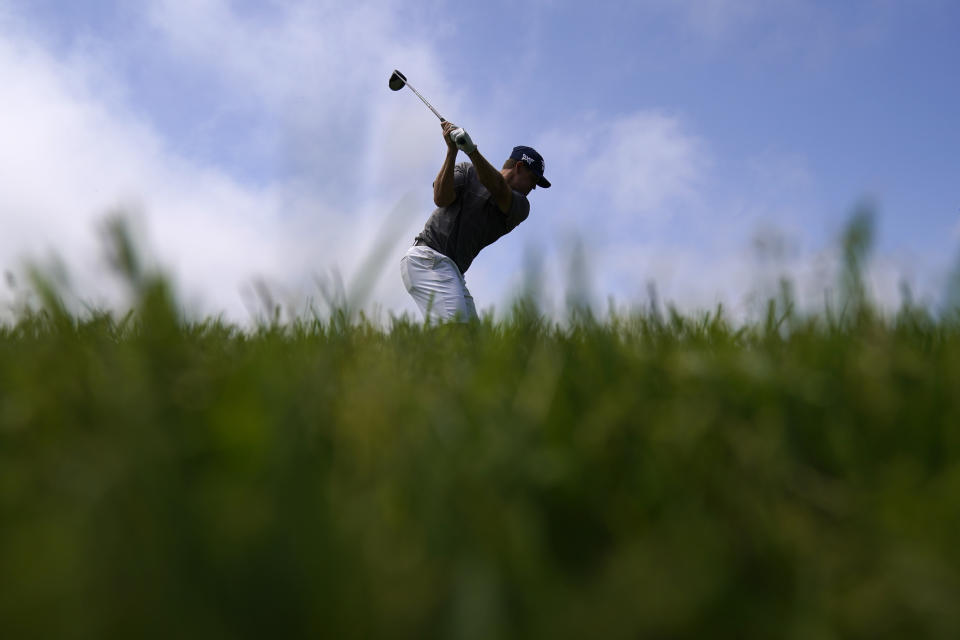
(472, 221)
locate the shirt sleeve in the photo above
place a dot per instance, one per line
(519, 209)
(460, 177)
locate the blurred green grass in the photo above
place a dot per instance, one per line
(640, 476)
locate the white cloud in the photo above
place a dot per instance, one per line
(700, 240)
(698, 278)
(70, 154)
(320, 71)
(647, 161)
(638, 166)
(67, 160)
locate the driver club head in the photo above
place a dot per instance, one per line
(397, 80)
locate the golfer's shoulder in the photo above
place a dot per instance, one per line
(519, 207)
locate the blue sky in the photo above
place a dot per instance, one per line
(257, 141)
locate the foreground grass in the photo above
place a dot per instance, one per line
(632, 478)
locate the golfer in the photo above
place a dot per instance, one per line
(476, 204)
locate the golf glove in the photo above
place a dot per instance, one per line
(462, 139)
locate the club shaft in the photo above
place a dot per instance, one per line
(425, 102)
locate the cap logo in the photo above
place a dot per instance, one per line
(530, 161)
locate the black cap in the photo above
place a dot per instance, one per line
(533, 160)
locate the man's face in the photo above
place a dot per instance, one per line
(524, 180)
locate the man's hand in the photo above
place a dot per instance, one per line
(447, 127)
(457, 138)
(463, 140)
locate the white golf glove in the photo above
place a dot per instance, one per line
(463, 141)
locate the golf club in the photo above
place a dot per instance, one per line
(399, 81)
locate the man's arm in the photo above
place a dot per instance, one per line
(443, 192)
(443, 187)
(493, 180)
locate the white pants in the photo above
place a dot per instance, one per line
(436, 285)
